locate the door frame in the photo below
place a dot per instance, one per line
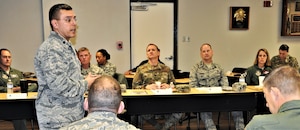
(175, 31)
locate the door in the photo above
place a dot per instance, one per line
(152, 23)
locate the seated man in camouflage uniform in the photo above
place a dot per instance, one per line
(84, 56)
(6, 72)
(284, 58)
(208, 74)
(104, 102)
(145, 78)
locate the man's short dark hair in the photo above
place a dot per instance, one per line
(3, 49)
(54, 11)
(284, 47)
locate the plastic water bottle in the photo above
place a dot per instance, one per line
(10, 86)
(242, 83)
(242, 78)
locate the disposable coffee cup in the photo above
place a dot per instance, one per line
(158, 83)
(24, 86)
(261, 80)
(123, 87)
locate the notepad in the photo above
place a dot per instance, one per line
(211, 89)
(138, 92)
(162, 91)
(16, 95)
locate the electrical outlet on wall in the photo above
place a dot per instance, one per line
(186, 39)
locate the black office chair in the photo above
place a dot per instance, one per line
(231, 80)
(239, 70)
(188, 116)
(121, 79)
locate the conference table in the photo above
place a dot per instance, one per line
(150, 102)
(197, 100)
(22, 108)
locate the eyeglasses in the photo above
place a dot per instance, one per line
(69, 19)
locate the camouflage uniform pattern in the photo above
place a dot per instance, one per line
(109, 68)
(100, 121)
(277, 62)
(148, 74)
(61, 85)
(94, 69)
(15, 76)
(203, 76)
(254, 72)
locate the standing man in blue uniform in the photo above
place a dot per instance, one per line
(61, 85)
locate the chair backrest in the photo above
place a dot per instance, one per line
(121, 79)
(232, 80)
(239, 70)
(179, 75)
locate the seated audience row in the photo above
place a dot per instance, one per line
(62, 86)
(205, 74)
(102, 68)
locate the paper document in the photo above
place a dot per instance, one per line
(162, 91)
(211, 89)
(142, 92)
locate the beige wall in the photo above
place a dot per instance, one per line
(21, 30)
(208, 21)
(103, 22)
